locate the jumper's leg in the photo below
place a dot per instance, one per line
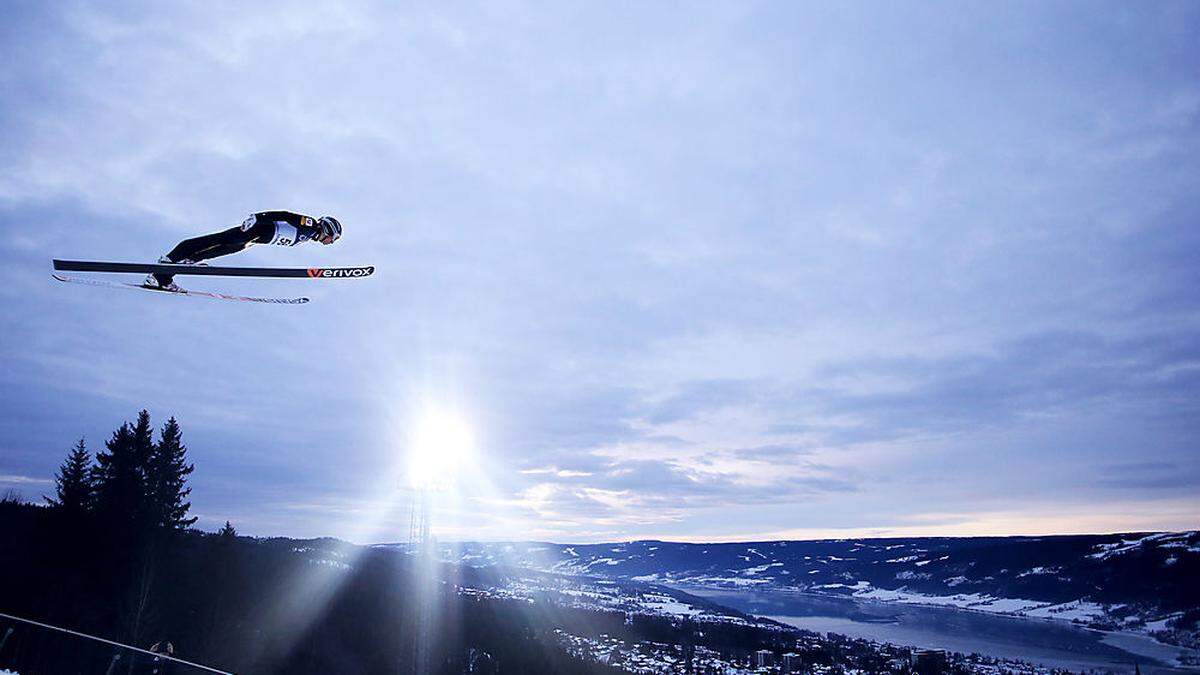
(211, 245)
(207, 247)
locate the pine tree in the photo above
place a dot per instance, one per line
(118, 480)
(143, 445)
(227, 533)
(167, 472)
(74, 483)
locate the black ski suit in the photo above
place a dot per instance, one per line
(281, 228)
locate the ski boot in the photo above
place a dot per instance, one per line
(152, 281)
(155, 280)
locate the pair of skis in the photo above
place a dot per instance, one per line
(200, 270)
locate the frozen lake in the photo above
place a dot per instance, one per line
(1051, 643)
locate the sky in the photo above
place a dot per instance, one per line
(688, 271)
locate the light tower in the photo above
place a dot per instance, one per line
(439, 447)
(418, 520)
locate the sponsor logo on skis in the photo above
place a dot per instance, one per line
(339, 272)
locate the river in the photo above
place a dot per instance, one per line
(1051, 643)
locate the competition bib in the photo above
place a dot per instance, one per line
(287, 235)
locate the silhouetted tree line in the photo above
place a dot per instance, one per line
(112, 554)
(98, 554)
(138, 485)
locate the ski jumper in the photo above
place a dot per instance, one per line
(280, 228)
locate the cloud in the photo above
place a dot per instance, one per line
(768, 453)
(10, 479)
(1055, 373)
(697, 397)
(651, 491)
(793, 264)
(1155, 476)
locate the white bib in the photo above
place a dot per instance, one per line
(285, 235)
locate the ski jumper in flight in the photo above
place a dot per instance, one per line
(280, 228)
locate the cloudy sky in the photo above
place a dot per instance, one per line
(700, 271)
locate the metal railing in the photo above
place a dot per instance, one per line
(152, 658)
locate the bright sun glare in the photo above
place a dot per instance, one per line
(440, 446)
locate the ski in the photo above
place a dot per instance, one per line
(191, 293)
(163, 268)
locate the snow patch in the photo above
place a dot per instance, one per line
(761, 568)
(755, 552)
(857, 586)
(1161, 624)
(726, 581)
(673, 607)
(1079, 611)
(1038, 570)
(1105, 551)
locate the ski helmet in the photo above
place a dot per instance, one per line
(330, 227)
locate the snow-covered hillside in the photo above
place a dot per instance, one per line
(1144, 580)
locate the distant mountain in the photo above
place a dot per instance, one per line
(1137, 580)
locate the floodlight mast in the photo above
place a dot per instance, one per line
(424, 566)
(418, 520)
(436, 451)
(428, 473)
